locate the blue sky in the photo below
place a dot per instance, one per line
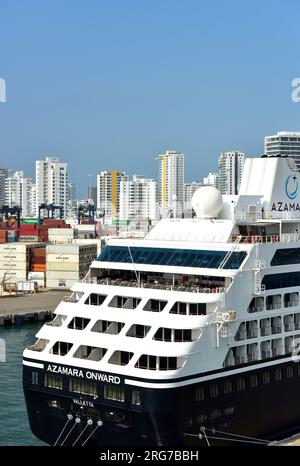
(109, 84)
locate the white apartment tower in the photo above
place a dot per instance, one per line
(212, 179)
(171, 182)
(3, 176)
(231, 166)
(108, 193)
(189, 190)
(51, 183)
(138, 198)
(20, 191)
(285, 143)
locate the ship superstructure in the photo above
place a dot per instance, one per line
(194, 329)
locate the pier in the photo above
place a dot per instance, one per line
(16, 310)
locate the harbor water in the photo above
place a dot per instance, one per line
(14, 427)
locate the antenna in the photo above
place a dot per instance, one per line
(135, 271)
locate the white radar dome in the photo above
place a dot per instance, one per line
(207, 202)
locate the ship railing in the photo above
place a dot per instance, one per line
(154, 285)
(289, 237)
(254, 239)
(242, 216)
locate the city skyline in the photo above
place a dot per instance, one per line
(121, 90)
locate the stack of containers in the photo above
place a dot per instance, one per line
(68, 263)
(38, 260)
(28, 233)
(15, 260)
(60, 235)
(3, 236)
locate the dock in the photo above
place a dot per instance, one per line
(16, 310)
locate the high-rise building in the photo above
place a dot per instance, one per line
(52, 183)
(3, 176)
(189, 190)
(284, 143)
(91, 194)
(171, 182)
(231, 166)
(212, 179)
(19, 191)
(138, 198)
(108, 193)
(72, 189)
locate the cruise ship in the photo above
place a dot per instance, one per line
(188, 337)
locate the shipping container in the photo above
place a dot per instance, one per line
(36, 275)
(19, 247)
(26, 239)
(13, 265)
(60, 284)
(71, 248)
(12, 276)
(61, 232)
(7, 257)
(69, 266)
(64, 275)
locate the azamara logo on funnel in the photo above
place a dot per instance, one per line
(291, 187)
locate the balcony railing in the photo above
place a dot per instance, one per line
(161, 285)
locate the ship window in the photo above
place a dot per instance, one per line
(200, 393)
(197, 309)
(266, 377)
(78, 323)
(114, 393)
(61, 348)
(163, 363)
(253, 381)
(281, 280)
(91, 353)
(171, 257)
(95, 299)
(120, 358)
(83, 386)
(241, 384)
(214, 390)
(155, 305)
(34, 378)
(227, 387)
(289, 371)
(278, 375)
(125, 302)
(286, 257)
(109, 327)
(53, 381)
(136, 398)
(138, 331)
(193, 309)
